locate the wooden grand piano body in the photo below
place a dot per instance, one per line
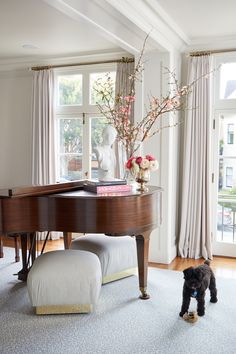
(68, 208)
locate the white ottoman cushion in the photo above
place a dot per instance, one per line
(69, 279)
(118, 255)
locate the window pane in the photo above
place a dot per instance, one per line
(227, 152)
(107, 79)
(71, 140)
(71, 131)
(228, 81)
(227, 179)
(70, 90)
(97, 126)
(230, 135)
(70, 167)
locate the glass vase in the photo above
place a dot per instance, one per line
(142, 178)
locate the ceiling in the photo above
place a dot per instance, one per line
(59, 31)
(202, 19)
(34, 22)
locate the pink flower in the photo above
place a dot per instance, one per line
(150, 158)
(129, 164)
(139, 160)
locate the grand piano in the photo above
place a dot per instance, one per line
(67, 207)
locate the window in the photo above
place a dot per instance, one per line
(229, 177)
(230, 133)
(79, 123)
(223, 148)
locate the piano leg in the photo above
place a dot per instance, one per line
(17, 246)
(23, 273)
(67, 239)
(142, 242)
(1, 247)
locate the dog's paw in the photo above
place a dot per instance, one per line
(201, 313)
(213, 299)
(181, 314)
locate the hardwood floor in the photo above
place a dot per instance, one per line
(222, 266)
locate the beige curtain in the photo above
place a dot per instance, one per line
(43, 163)
(195, 232)
(43, 154)
(124, 70)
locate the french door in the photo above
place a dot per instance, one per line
(224, 183)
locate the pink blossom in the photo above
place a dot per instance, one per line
(129, 98)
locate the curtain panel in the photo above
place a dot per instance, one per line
(123, 87)
(195, 229)
(43, 134)
(43, 156)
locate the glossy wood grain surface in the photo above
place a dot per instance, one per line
(129, 213)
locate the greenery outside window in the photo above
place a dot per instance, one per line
(79, 122)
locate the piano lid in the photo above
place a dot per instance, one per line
(27, 191)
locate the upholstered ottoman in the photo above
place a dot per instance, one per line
(65, 282)
(118, 255)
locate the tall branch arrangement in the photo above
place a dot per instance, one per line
(118, 110)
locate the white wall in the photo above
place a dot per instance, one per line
(165, 147)
(15, 128)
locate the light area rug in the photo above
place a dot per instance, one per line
(121, 322)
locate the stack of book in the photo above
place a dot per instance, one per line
(112, 186)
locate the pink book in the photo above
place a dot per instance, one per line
(108, 189)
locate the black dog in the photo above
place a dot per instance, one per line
(197, 280)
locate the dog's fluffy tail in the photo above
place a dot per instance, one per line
(207, 262)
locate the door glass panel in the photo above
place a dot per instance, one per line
(71, 148)
(226, 209)
(97, 126)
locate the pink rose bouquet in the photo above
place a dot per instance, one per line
(136, 164)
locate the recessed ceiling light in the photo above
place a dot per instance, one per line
(29, 46)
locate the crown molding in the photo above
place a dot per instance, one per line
(151, 18)
(105, 19)
(19, 64)
(212, 43)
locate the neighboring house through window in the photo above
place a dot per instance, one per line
(230, 134)
(229, 177)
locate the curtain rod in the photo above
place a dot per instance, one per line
(208, 52)
(46, 67)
